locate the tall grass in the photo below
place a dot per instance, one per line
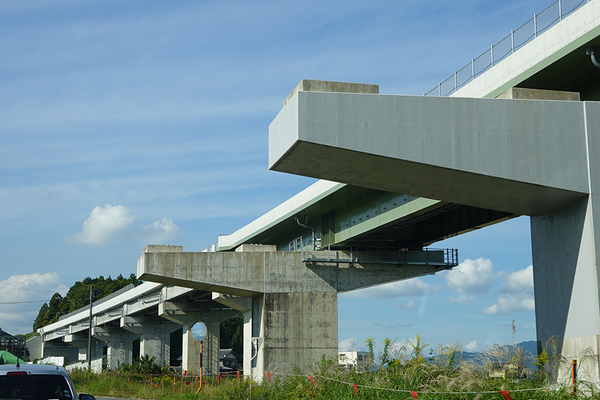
(442, 375)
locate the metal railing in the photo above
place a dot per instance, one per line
(296, 244)
(349, 255)
(540, 23)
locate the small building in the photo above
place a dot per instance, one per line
(13, 344)
(357, 360)
(228, 361)
(507, 370)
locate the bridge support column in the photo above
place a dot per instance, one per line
(57, 348)
(155, 341)
(81, 342)
(187, 314)
(565, 249)
(119, 345)
(288, 328)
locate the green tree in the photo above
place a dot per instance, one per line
(78, 296)
(232, 334)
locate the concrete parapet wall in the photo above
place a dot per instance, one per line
(95, 364)
(518, 93)
(255, 248)
(310, 85)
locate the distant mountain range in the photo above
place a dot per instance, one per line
(530, 348)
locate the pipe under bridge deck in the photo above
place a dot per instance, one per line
(443, 258)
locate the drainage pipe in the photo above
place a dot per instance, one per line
(592, 51)
(314, 243)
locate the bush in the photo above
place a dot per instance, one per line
(145, 365)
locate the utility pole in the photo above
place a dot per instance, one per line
(89, 352)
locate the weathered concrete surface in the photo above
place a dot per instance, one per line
(518, 156)
(310, 85)
(517, 93)
(186, 314)
(241, 304)
(289, 305)
(248, 274)
(586, 351)
(298, 329)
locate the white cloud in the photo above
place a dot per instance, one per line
(348, 344)
(472, 277)
(161, 232)
(407, 306)
(21, 297)
(516, 294)
(22, 287)
(105, 224)
(508, 304)
(112, 223)
(518, 282)
(472, 346)
(408, 287)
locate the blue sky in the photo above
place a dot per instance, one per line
(125, 123)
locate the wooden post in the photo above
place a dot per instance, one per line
(201, 351)
(574, 376)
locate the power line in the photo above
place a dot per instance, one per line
(34, 290)
(24, 302)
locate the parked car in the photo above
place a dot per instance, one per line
(37, 382)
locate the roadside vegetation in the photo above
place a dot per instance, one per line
(78, 296)
(396, 372)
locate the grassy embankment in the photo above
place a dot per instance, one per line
(443, 375)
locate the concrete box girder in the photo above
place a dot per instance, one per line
(250, 274)
(488, 153)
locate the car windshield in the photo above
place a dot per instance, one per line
(34, 387)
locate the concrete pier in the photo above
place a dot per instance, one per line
(291, 317)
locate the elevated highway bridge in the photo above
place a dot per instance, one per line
(520, 138)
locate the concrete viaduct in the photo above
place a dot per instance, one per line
(150, 319)
(348, 237)
(521, 138)
(531, 148)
